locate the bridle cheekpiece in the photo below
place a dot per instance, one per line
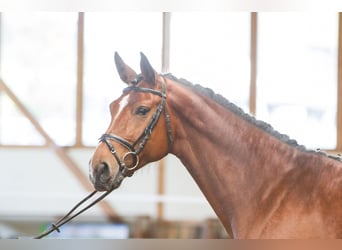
(135, 148)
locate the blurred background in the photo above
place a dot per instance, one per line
(57, 78)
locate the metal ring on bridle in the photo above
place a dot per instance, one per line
(136, 158)
(139, 144)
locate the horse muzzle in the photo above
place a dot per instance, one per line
(103, 179)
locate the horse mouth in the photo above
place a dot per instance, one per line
(117, 181)
(108, 184)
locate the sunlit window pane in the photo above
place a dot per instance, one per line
(128, 34)
(297, 75)
(38, 62)
(15, 128)
(213, 50)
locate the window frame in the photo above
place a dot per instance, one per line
(166, 20)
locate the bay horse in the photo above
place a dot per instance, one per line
(260, 183)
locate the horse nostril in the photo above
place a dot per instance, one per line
(102, 172)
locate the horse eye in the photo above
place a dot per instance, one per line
(142, 110)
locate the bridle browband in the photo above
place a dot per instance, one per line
(136, 147)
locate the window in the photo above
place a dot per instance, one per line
(297, 75)
(105, 34)
(38, 62)
(212, 49)
(296, 61)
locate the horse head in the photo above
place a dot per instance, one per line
(136, 135)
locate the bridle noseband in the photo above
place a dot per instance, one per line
(124, 170)
(135, 148)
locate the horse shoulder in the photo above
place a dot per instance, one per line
(306, 202)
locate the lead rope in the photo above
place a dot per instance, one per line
(68, 217)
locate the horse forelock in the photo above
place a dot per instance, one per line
(247, 117)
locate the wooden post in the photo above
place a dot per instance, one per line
(253, 53)
(339, 87)
(79, 91)
(165, 68)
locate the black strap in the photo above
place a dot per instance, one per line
(146, 90)
(145, 135)
(119, 139)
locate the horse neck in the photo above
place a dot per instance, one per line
(228, 157)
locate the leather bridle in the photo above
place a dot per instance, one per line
(133, 149)
(136, 147)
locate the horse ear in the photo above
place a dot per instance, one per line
(125, 72)
(147, 71)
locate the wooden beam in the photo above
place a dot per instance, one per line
(161, 188)
(253, 69)
(165, 68)
(59, 151)
(166, 42)
(339, 87)
(79, 88)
